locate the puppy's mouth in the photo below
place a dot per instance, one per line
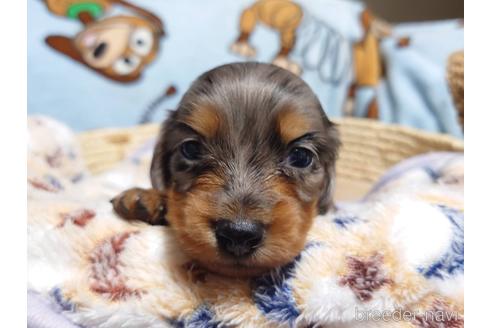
(238, 244)
(236, 268)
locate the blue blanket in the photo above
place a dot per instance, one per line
(198, 37)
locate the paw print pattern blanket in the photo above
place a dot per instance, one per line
(393, 259)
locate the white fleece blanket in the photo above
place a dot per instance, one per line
(393, 259)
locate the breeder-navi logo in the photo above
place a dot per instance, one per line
(437, 318)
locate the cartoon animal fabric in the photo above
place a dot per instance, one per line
(117, 47)
(368, 70)
(283, 16)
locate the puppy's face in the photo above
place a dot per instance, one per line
(246, 162)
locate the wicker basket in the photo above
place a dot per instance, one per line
(369, 148)
(456, 81)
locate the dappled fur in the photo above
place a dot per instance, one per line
(246, 116)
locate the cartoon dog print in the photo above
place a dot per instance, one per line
(283, 16)
(117, 47)
(286, 17)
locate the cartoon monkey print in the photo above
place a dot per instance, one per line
(117, 47)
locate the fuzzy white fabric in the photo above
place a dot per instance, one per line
(400, 249)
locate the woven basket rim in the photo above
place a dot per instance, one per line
(392, 127)
(368, 149)
(338, 121)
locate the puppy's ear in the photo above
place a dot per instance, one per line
(329, 158)
(159, 169)
(157, 166)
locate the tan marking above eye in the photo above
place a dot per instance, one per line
(291, 125)
(205, 120)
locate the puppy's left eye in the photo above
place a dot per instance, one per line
(300, 157)
(191, 150)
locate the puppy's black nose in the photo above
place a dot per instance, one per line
(238, 238)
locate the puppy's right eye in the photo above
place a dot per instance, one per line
(300, 157)
(191, 150)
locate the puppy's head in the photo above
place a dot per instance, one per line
(246, 162)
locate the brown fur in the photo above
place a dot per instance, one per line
(204, 120)
(146, 205)
(243, 173)
(291, 125)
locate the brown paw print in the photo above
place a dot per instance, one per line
(365, 276)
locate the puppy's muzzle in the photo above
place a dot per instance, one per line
(238, 238)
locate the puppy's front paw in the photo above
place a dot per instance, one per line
(243, 48)
(286, 63)
(147, 205)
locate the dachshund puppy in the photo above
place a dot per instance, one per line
(240, 169)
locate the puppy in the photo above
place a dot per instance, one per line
(240, 169)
